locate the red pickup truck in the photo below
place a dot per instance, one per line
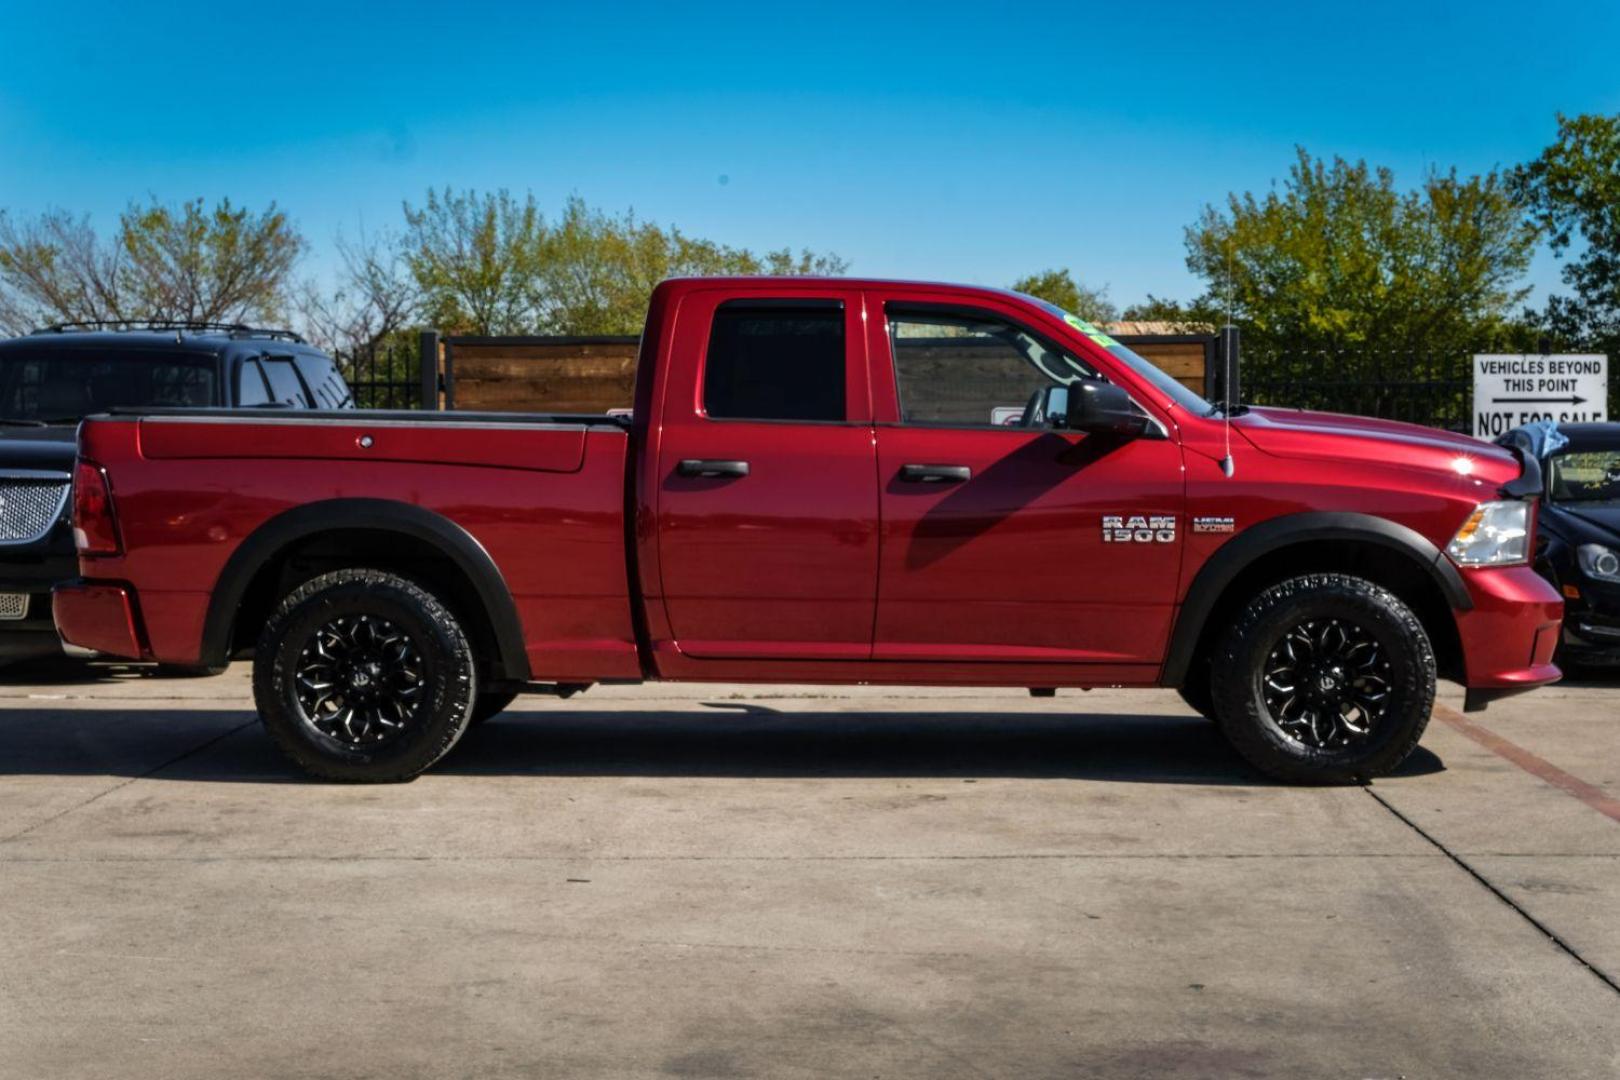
(823, 481)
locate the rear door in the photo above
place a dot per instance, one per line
(1001, 542)
(766, 486)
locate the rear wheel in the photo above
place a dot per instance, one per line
(1324, 678)
(362, 675)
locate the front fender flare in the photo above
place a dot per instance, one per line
(1242, 551)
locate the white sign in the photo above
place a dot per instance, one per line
(1514, 390)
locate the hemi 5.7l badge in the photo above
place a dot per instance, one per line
(1139, 529)
(1214, 525)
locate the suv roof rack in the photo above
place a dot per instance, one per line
(235, 330)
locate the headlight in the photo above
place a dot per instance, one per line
(1495, 534)
(1599, 562)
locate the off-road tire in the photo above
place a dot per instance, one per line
(490, 704)
(1238, 670)
(449, 676)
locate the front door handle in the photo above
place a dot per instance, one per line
(935, 474)
(711, 469)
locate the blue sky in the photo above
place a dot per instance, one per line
(948, 141)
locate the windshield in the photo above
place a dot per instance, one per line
(64, 385)
(1586, 476)
(1161, 379)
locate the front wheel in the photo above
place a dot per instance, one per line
(1325, 679)
(362, 675)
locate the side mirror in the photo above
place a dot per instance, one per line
(1101, 408)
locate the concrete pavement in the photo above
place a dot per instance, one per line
(732, 881)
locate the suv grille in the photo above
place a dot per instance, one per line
(29, 507)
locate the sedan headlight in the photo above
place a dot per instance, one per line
(1495, 534)
(1599, 562)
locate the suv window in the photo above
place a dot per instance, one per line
(777, 362)
(250, 387)
(65, 384)
(324, 381)
(285, 387)
(964, 368)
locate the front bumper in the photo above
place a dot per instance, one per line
(1509, 636)
(1592, 639)
(98, 617)
(33, 569)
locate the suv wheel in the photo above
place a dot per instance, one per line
(1325, 679)
(361, 675)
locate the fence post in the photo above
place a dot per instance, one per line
(429, 349)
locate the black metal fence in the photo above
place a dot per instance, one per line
(385, 377)
(1434, 392)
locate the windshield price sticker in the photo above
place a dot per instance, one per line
(1514, 390)
(1091, 330)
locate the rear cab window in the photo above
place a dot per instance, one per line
(776, 360)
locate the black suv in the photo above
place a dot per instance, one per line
(53, 378)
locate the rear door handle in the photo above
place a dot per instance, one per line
(711, 469)
(935, 474)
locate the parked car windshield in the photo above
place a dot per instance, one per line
(1175, 391)
(1585, 476)
(64, 385)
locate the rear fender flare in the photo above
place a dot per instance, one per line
(275, 536)
(1252, 544)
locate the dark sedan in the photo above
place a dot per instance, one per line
(1578, 547)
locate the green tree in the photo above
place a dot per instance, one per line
(476, 260)
(1059, 287)
(1572, 192)
(224, 264)
(598, 269)
(1339, 258)
(492, 264)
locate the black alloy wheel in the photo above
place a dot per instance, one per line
(360, 680)
(1327, 683)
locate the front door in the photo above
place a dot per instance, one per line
(767, 485)
(1003, 542)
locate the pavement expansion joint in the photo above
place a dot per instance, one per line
(1602, 976)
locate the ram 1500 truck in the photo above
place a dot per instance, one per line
(823, 481)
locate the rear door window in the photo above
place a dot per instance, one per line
(776, 361)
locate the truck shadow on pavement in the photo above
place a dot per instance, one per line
(216, 746)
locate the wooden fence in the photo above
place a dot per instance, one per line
(595, 374)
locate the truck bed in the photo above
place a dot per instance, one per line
(542, 495)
